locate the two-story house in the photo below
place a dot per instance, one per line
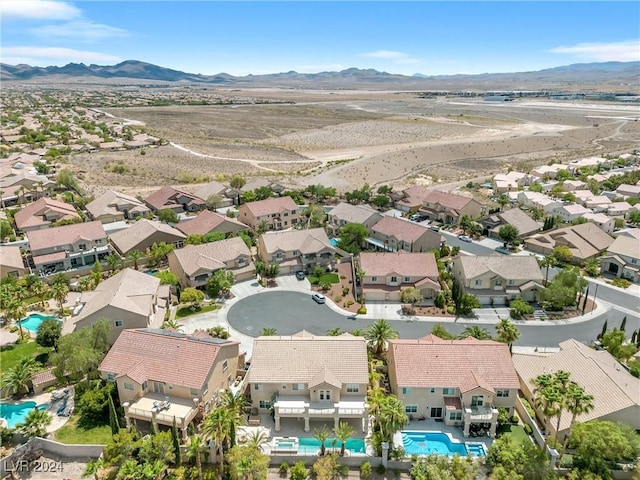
(410, 199)
(345, 213)
(461, 382)
(622, 259)
(195, 264)
(115, 206)
(275, 213)
(538, 200)
(494, 279)
(11, 262)
(393, 234)
(42, 213)
(143, 234)
(570, 211)
(602, 221)
(449, 208)
(216, 190)
(165, 377)
(209, 222)
(491, 224)
(69, 246)
(297, 250)
(177, 200)
(310, 377)
(129, 299)
(387, 274)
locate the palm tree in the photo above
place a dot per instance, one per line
(60, 291)
(218, 331)
(257, 439)
(235, 405)
(39, 289)
(268, 332)
(343, 433)
(195, 446)
(391, 417)
(378, 334)
(172, 324)
(322, 435)
(548, 262)
(548, 399)
(578, 402)
(503, 200)
(357, 332)
(35, 423)
(15, 309)
(507, 332)
(113, 260)
(476, 332)
(562, 381)
(335, 332)
(18, 378)
(466, 223)
(216, 426)
(135, 255)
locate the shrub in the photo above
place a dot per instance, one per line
(365, 470)
(440, 300)
(284, 468)
(381, 469)
(515, 419)
(621, 282)
(342, 277)
(362, 310)
(324, 286)
(298, 471)
(338, 298)
(349, 303)
(527, 429)
(519, 308)
(451, 309)
(345, 290)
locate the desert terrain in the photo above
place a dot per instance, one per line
(349, 138)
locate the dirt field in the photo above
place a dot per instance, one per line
(346, 139)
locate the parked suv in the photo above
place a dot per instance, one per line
(318, 297)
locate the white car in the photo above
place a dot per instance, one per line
(318, 297)
(464, 238)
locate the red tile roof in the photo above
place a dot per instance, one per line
(405, 264)
(271, 205)
(401, 229)
(206, 222)
(65, 235)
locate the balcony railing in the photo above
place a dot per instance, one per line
(92, 251)
(319, 410)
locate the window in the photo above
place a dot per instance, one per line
(257, 386)
(82, 246)
(128, 386)
(297, 386)
(225, 366)
(374, 279)
(193, 392)
(432, 390)
(511, 282)
(477, 400)
(118, 323)
(265, 404)
(406, 390)
(325, 394)
(498, 283)
(411, 409)
(455, 416)
(111, 377)
(502, 393)
(394, 279)
(353, 388)
(144, 385)
(296, 252)
(407, 279)
(478, 282)
(293, 212)
(286, 214)
(448, 391)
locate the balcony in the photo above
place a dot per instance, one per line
(480, 414)
(304, 408)
(147, 408)
(91, 251)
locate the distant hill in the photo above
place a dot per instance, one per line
(585, 74)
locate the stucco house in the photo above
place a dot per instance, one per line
(297, 250)
(209, 222)
(69, 246)
(622, 259)
(449, 208)
(410, 199)
(216, 189)
(494, 279)
(616, 393)
(174, 199)
(129, 299)
(115, 206)
(275, 213)
(393, 234)
(491, 224)
(11, 262)
(310, 377)
(42, 213)
(195, 264)
(387, 274)
(164, 376)
(602, 221)
(585, 241)
(461, 382)
(345, 213)
(143, 234)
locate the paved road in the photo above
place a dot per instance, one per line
(290, 312)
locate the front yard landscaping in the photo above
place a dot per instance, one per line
(331, 278)
(187, 310)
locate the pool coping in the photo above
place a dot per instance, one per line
(452, 440)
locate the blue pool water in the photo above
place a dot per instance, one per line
(311, 445)
(334, 241)
(428, 443)
(15, 414)
(32, 321)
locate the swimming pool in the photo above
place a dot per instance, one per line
(32, 321)
(16, 413)
(311, 445)
(334, 241)
(428, 443)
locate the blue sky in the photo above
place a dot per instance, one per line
(266, 37)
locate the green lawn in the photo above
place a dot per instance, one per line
(186, 311)
(72, 434)
(326, 278)
(514, 430)
(11, 355)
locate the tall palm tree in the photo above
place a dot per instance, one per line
(60, 291)
(343, 433)
(135, 255)
(548, 400)
(578, 402)
(548, 262)
(562, 381)
(35, 423)
(216, 426)
(378, 334)
(257, 439)
(194, 451)
(15, 309)
(507, 332)
(39, 289)
(476, 331)
(113, 260)
(18, 378)
(322, 436)
(391, 417)
(235, 405)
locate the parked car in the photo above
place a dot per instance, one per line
(300, 275)
(435, 228)
(318, 297)
(464, 238)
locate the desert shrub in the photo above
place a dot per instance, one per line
(349, 303)
(451, 309)
(365, 470)
(338, 298)
(362, 310)
(440, 300)
(298, 471)
(381, 469)
(345, 290)
(284, 468)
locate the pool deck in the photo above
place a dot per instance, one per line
(56, 421)
(430, 425)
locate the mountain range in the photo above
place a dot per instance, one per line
(590, 75)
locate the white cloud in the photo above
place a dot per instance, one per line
(399, 58)
(80, 29)
(45, 56)
(626, 51)
(38, 9)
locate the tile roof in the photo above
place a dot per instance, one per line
(268, 206)
(10, 256)
(306, 241)
(403, 264)
(584, 240)
(452, 363)
(516, 267)
(111, 203)
(127, 239)
(210, 256)
(211, 188)
(65, 235)
(353, 213)
(301, 358)
(173, 358)
(598, 372)
(34, 213)
(519, 219)
(165, 198)
(448, 200)
(207, 221)
(626, 246)
(413, 196)
(401, 229)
